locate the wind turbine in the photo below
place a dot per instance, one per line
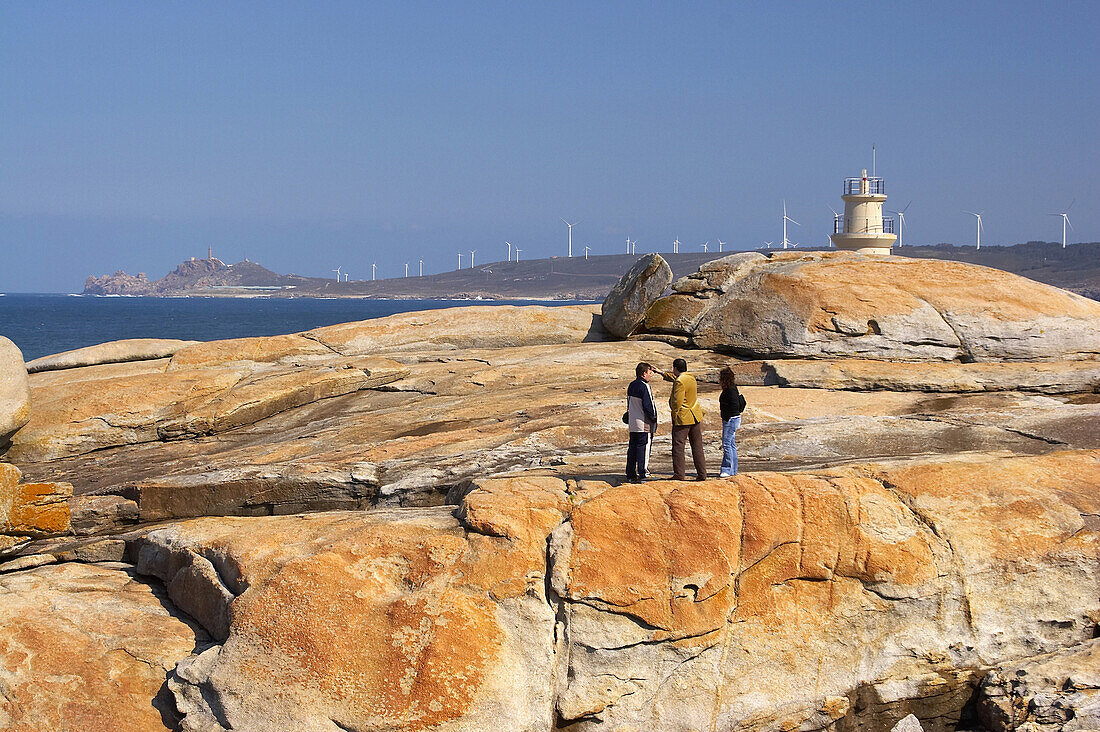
(509, 250)
(460, 260)
(406, 269)
(570, 225)
(768, 245)
(472, 258)
(346, 275)
(1065, 220)
(337, 271)
(676, 246)
(628, 245)
(979, 217)
(518, 250)
(633, 244)
(787, 218)
(705, 246)
(373, 267)
(420, 273)
(720, 243)
(901, 222)
(586, 248)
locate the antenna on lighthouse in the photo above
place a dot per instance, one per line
(1065, 220)
(979, 217)
(570, 225)
(786, 218)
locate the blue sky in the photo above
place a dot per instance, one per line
(310, 135)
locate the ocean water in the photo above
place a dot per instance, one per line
(45, 324)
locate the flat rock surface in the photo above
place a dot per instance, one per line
(87, 648)
(840, 304)
(454, 416)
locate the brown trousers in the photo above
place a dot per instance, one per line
(681, 433)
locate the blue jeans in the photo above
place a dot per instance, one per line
(729, 448)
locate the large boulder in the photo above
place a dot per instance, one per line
(842, 304)
(15, 393)
(130, 349)
(626, 305)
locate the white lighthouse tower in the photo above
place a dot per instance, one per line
(863, 229)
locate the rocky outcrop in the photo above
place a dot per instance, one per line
(528, 608)
(844, 305)
(15, 392)
(626, 305)
(31, 510)
(88, 647)
(118, 283)
(1056, 692)
(131, 349)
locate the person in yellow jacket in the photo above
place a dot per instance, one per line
(687, 420)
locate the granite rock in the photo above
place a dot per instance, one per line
(123, 351)
(87, 648)
(15, 395)
(625, 307)
(846, 305)
(31, 510)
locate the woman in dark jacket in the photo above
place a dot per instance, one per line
(732, 404)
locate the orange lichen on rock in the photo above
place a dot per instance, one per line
(32, 509)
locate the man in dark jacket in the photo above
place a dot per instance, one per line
(641, 418)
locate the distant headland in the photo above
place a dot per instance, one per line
(1075, 268)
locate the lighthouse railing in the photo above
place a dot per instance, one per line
(875, 186)
(886, 228)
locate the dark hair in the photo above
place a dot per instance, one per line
(680, 365)
(642, 368)
(726, 379)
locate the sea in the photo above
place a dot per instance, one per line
(48, 323)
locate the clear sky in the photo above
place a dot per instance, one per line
(315, 134)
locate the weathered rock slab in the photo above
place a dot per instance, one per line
(122, 351)
(625, 307)
(86, 648)
(1050, 377)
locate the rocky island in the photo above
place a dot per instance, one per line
(420, 522)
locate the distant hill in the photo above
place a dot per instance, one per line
(1076, 268)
